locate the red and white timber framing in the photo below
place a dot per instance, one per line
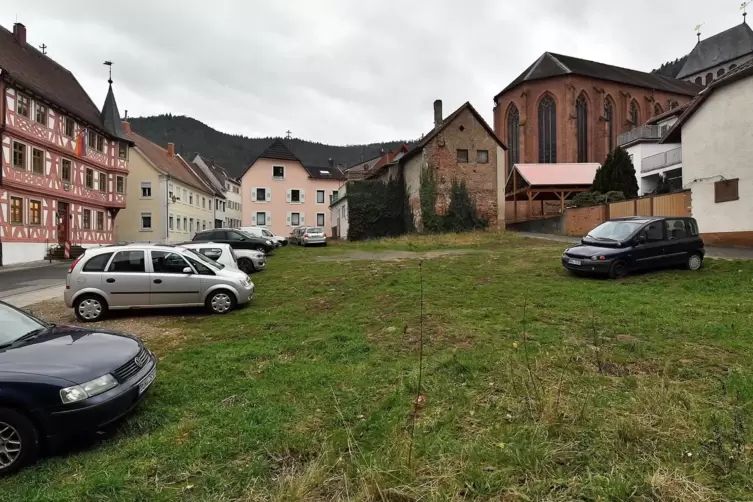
(28, 241)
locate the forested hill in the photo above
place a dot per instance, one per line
(235, 152)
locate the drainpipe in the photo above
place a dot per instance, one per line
(167, 210)
(4, 106)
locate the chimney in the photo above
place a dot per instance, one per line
(331, 163)
(127, 127)
(19, 33)
(437, 113)
(171, 149)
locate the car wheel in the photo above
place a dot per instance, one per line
(90, 308)
(221, 302)
(618, 270)
(246, 265)
(695, 262)
(19, 441)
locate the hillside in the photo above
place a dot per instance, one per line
(235, 152)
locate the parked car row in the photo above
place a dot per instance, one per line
(308, 236)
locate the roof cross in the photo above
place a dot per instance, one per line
(109, 64)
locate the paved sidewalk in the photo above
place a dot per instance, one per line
(31, 297)
(28, 265)
(723, 253)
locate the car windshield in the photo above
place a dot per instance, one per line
(315, 230)
(247, 235)
(266, 233)
(204, 259)
(14, 324)
(614, 230)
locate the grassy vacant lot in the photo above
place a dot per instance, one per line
(536, 386)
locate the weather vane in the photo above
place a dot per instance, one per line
(698, 30)
(109, 64)
(742, 8)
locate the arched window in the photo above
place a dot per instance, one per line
(720, 72)
(634, 117)
(732, 67)
(609, 118)
(699, 80)
(709, 78)
(547, 130)
(513, 135)
(657, 109)
(673, 104)
(581, 114)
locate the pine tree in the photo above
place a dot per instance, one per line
(616, 175)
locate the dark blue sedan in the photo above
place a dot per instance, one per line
(57, 381)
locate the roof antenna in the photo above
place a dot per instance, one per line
(109, 64)
(698, 31)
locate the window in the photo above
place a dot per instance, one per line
(91, 138)
(86, 219)
(41, 115)
(130, 262)
(676, 229)
(295, 219)
(185, 197)
(102, 182)
(68, 127)
(295, 196)
(732, 67)
(658, 109)
(164, 262)
(23, 106)
(203, 202)
(185, 224)
(97, 263)
(170, 222)
(190, 224)
(89, 179)
(123, 150)
(726, 191)
(201, 269)
(634, 113)
(581, 124)
(609, 119)
(513, 135)
(178, 227)
(19, 155)
(320, 219)
(261, 218)
(216, 204)
(37, 161)
(35, 212)
(16, 211)
(100, 143)
(709, 78)
(65, 170)
(320, 196)
(335, 195)
(100, 220)
(234, 236)
(146, 189)
(674, 104)
(699, 81)
(119, 184)
(654, 232)
(146, 221)
(278, 172)
(547, 130)
(190, 199)
(482, 156)
(203, 224)
(462, 156)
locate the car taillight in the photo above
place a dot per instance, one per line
(73, 265)
(305, 236)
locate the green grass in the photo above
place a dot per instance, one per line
(639, 389)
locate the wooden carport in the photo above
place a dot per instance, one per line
(546, 182)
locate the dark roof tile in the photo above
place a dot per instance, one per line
(722, 47)
(278, 151)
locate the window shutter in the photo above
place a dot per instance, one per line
(268, 218)
(303, 199)
(253, 194)
(303, 219)
(288, 195)
(269, 194)
(288, 221)
(253, 217)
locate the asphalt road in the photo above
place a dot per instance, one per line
(14, 282)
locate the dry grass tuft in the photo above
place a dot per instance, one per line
(674, 486)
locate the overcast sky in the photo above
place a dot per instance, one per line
(343, 71)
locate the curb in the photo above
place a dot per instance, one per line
(29, 265)
(21, 300)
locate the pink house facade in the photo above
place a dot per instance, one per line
(280, 193)
(52, 193)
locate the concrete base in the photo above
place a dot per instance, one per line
(22, 252)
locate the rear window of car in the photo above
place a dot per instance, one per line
(315, 230)
(97, 263)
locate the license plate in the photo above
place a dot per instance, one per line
(574, 262)
(147, 381)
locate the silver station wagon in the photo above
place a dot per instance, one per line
(151, 276)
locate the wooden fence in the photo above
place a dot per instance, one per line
(579, 221)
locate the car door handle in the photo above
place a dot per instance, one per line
(110, 280)
(157, 281)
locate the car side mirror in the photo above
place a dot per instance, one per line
(641, 239)
(187, 270)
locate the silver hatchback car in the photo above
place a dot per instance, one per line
(151, 276)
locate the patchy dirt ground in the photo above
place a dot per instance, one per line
(396, 255)
(156, 326)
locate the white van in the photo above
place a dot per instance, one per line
(264, 232)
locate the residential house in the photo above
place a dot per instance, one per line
(228, 212)
(279, 192)
(387, 167)
(358, 171)
(713, 57)
(460, 147)
(64, 162)
(563, 109)
(166, 201)
(717, 145)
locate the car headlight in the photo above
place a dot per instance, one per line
(594, 257)
(88, 389)
(269, 243)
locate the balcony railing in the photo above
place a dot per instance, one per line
(642, 132)
(660, 160)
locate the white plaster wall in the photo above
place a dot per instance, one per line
(339, 217)
(640, 151)
(22, 252)
(717, 141)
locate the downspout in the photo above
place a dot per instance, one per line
(167, 210)
(4, 107)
